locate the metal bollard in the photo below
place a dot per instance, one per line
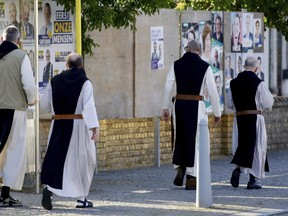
(203, 189)
(156, 123)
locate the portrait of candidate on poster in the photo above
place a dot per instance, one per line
(236, 32)
(206, 40)
(189, 31)
(258, 34)
(47, 27)
(239, 64)
(248, 36)
(229, 70)
(27, 20)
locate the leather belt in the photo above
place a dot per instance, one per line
(249, 112)
(188, 97)
(67, 116)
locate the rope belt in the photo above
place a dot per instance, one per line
(249, 112)
(188, 97)
(67, 116)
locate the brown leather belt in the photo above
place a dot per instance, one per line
(249, 112)
(67, 116)
(188, 97)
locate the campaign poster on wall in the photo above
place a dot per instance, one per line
(210, 34)
(246, 31)
(189, 31)
(55, 37)
(9, 14)
(157, 48)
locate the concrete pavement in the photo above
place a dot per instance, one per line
(150, 192)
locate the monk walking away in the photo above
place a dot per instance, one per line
(250, 97)
(70, 159)
(189, 76)
(17, 92)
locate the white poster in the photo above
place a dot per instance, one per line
(157, 48)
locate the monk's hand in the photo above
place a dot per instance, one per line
(33, 103)
(95, 134)
(165, 114)
(217, 120)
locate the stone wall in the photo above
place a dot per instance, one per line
(277, 124)
(127, 143)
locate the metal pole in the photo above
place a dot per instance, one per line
(156, 123)
(204, 190)
(37, 148)
(78, 27)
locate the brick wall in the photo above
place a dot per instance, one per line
(277, 124)
(126, 143)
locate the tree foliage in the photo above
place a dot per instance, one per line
(275, 11)
(99, 14)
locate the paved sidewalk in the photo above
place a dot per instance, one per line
(150, 192)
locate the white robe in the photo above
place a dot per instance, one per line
(264, 101)
(209, 83)
(80, 161)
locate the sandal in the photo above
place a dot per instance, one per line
(84, 204)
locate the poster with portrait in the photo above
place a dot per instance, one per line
(258, 34)
(229, 69)
(157, 48)
(217, 28)
(9, 14)
(27, 28)
(206, 40)
(217, 67)
(261, 67)
(189, 31)
(56, 38)
(239, 64)
(246, 30)
(236, 31)
(248, 35)
(212, 51)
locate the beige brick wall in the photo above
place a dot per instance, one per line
(126, 143)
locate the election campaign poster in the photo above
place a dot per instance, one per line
(56, 38)
(157, 48)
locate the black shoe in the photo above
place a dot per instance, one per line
(190, 183)
(10, 202)
(235, 178)
(47, 199)
(84, 204)
(254, 185)
(178, 181)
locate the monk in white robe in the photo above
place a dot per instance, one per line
(70, 160)
(17, 92)
(189, 76)
(250, 96)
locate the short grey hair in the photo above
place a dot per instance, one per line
(195, 46)
(74, 60)
(250, 63)
(11, 33)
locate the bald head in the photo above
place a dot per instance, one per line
(74, 60)
(251, 64)
(194, 47)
